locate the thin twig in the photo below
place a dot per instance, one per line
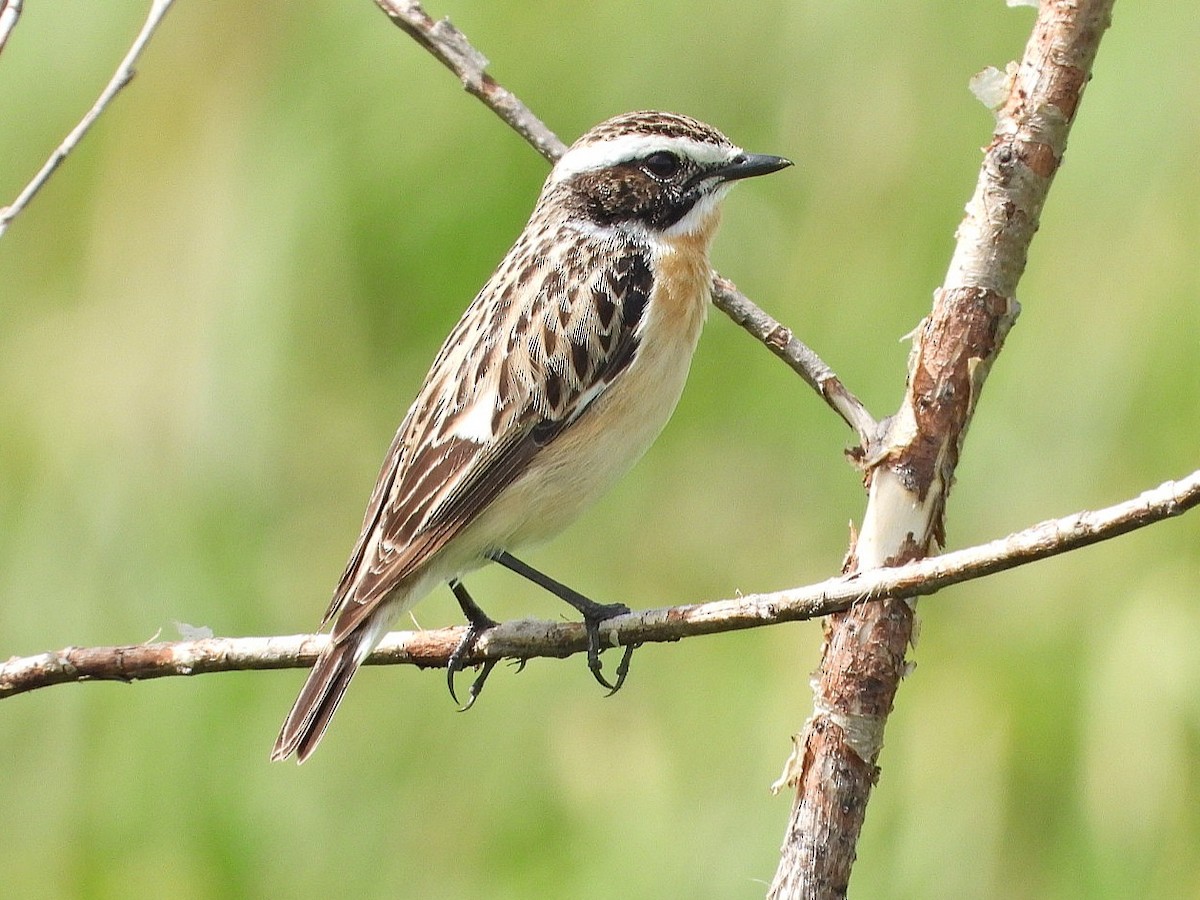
(804, 362)
(451, 48)
(121, 77)
(10, 11)
(530, 639)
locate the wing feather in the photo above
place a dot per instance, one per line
(559, 353)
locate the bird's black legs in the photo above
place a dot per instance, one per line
(593, 614)
(478, 623)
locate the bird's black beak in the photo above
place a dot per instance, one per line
(747, 165)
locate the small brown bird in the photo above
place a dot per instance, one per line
(558, 377)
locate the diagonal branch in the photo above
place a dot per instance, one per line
(452, 49)
(530, 639)
(10, 11)
(120, 78)
(779, 339)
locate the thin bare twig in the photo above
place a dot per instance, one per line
(779, 339)
(451, 48)
(530, 639)
(10, 11)
(121, 77)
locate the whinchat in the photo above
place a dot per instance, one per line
(558, 377)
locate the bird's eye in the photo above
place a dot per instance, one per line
(662, 164)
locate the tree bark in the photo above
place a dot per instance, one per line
(834, 764)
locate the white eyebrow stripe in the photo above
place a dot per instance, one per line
(636, 146)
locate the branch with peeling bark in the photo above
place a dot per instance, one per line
(833, 767)
(530, 639)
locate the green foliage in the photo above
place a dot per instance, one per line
(217, 311)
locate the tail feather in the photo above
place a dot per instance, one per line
(319, 699)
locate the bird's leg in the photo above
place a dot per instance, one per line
(478, 622)
(593, 614)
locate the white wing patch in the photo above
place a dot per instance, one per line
(475, 423)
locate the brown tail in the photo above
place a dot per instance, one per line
(319, 699)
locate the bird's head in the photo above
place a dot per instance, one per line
(657, 171)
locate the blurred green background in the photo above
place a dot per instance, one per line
(216, 313)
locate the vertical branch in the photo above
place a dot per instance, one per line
(833, 766)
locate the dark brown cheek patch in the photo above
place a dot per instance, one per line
(627, 194)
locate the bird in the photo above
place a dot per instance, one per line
(558, 377)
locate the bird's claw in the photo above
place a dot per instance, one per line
(478, 625)
(591, 623)
(476, 687)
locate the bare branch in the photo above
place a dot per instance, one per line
(10, 11)
(530, 639)
(833, 766)
(123, 75)
(451, 48)
(804, 362)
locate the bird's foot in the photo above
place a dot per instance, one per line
(593, 615)
(478, 622)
